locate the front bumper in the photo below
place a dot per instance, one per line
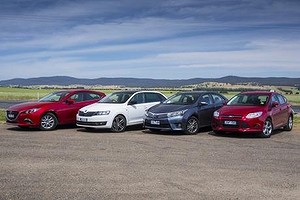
(172, 123)
(99, 121)
(24, 120)
(242, 125)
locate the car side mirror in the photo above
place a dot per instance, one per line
(70, 101)
(275, 104)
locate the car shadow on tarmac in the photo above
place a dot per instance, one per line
(27, 129)
(137, 128)
(175, 133)
(243, 135)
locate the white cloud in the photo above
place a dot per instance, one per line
(149, 39)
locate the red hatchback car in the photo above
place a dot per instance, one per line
(54, 109)
(254, 112)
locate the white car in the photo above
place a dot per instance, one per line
(118, 110)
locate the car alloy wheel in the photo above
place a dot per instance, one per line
(119, 124)
(267, 129)
(192, 126)
(48, 122)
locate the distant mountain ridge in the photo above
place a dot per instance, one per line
(147, 82)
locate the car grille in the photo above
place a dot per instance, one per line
(86, 114)
(232, 116)
(157, 115)
(11, 115)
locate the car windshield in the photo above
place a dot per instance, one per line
(182, 99)
(54, 97)
(117, 97)
(249, 100)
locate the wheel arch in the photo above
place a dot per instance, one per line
(54, 113)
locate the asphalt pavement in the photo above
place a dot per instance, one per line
(71, 163)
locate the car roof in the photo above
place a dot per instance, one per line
(79, 90)
(196, 92)
(137, 91)
(259, 92)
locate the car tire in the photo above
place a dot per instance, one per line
(48, 122)
(289, 125)
(119, 124)
(192, 126)
(267, 129)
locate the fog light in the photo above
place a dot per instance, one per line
(100, 123)
(244, 125)
(257, 126)
(28, 121)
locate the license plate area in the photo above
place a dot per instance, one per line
(11, 116)
(155, 122)
(230, 123)
(83, 119)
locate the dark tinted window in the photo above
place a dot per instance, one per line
(153, 97)
(137, 99)
(91, 96)
(77, 97)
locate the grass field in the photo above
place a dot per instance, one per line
(2, 115)
(7, 94)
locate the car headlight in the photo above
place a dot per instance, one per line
(32, 110)
(176, 113)
(216, 114)
(102, 112)
(254, 115)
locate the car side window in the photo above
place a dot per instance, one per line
(217, 98)
(274, 99)
(78, 97)
(153, 97)
(91, 96)
(281, 99)
(137, 99)
(206, 98)
(188, 99)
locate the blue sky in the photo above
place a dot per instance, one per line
(173, 39)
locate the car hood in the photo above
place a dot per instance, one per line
(28, 105)
(167, 108)
(240, 110)
(101, 107)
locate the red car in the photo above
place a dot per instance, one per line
(254, 112)
(54, 109)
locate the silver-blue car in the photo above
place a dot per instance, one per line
(186, 111)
